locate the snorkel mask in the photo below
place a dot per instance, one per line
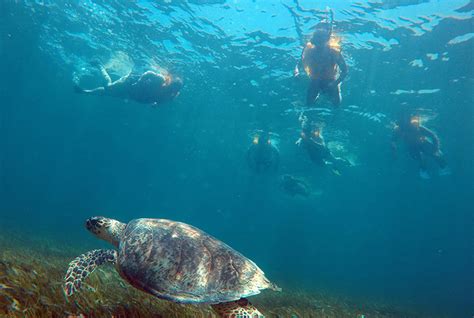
(255, 140)
(415, 121)
(322, 33)
(317, 133)
(265, 137)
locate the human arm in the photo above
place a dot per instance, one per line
(432, 136)
(299, 65)
(276, 157)
(298, 142)
(342, 67)
(395, 138)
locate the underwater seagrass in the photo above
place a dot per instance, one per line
(31, 285)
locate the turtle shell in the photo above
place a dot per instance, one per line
(178, 262)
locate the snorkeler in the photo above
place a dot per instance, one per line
(421, 143)
(322, 60)
(262, 155)
(294, 186)
(147, 88)
(313, 142)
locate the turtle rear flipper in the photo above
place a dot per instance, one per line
(83, 265)
(241, 308)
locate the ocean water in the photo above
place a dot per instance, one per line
(376, 232)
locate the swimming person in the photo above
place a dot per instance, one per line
(322, 60)
(294, 186)
(262, 155)
(312, 141)
(421, 142)
(147, 88)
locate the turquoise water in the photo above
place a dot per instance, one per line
(378, 230)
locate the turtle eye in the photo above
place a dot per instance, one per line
(94, 223)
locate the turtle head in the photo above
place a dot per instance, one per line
(109, 230)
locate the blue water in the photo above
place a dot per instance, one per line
(378, 231)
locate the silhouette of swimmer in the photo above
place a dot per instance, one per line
(294, 186)
(147, 88)
(262, 155)
(313, 142)
(421, 142)
(321, 58)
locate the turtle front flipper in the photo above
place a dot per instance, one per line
(241, 308)
(82, 266)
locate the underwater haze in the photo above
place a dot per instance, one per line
(376, 232)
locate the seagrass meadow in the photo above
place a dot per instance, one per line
(31, 285)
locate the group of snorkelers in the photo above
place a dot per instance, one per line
(322, 61)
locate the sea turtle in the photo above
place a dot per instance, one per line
(173, 261)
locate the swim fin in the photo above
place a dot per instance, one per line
(444, 172)
(424, 174)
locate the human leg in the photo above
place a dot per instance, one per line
(313, 92)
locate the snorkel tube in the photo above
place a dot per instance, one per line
(330, 14)
(323, 31)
